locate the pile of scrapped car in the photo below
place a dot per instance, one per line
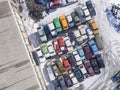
(113, 15)
(80, 57)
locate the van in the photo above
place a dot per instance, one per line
(50, 73)
(64, 23)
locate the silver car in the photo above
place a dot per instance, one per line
(41, 32)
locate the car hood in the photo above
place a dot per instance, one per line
(53, 33)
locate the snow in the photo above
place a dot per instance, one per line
(111, 42)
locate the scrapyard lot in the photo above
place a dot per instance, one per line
(109, 53)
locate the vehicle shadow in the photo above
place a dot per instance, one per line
(34, 39)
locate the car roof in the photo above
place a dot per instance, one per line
(77, 33)
(68, 43)
(39, 52)
(77, 57)
(94, 48)
(86, 11)
(51, 26)
(83, 69)
(74, 80)
(69, 18)
(81, 52)
(57, 22)
(91, 42)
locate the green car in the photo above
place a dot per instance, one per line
(45, 50)
(57, 24)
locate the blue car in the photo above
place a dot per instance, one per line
(117, 88)
(81, 52)
(47, 31)
(116, 77)
(93, 47)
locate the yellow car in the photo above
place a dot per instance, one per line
(64, 22)
(61, 68)
(94, 26)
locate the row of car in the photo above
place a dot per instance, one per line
(83, 32)
(80, 16)
(63, 45)
(59, 70)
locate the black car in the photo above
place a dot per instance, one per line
(76, 19)
(95, 66)
(100, 61)
(68, 80)
(91, 8)
(116, 77)
(62, 83)
(78, 75)
(56, 85)
(72, 38)
(71, 60)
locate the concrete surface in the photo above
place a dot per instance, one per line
(16, 72)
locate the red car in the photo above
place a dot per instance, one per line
(56, 46)
(87, 52)
(66, 63)
(89, 68)
(61, 43)
(54, 3)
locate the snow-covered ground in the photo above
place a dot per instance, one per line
(111, 41)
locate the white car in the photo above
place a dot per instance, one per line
(52, 29)
(86, 13)
(70, 21)
(77, 58)
(82, 29)
(68, 44)
(84, 71)
(83, 32)
(41, 32)
(78, 36)
(40, 55)
(84, 37)
(51, 49)
(73, 78)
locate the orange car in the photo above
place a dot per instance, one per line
(94, 26)
(64, 23)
